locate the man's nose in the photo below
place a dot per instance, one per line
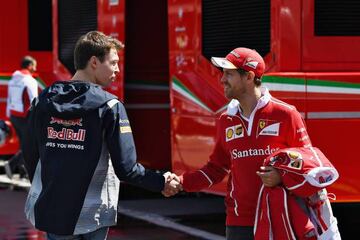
(222, 79)
(117, 69)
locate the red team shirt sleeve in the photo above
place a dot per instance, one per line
(213, 172)
(297, 135)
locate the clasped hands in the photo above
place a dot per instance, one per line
(269, 176)
(172, 184)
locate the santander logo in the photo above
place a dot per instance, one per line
(236, 154)
(66, 134)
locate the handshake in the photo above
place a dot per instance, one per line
(172, 184)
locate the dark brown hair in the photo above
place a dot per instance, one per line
(257, 80)
(96, 44)
(27, 61)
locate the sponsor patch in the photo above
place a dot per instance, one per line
(294, 155)
(66, 134)
(300, 130)
(252, 64)
(243, 153)
(325, 179)
(235, 54)
(238, 130)
(229, 133)
(268, 128)
(296, 161)
(304, 138)
(66, 122)
(124, 121)
(126, 129)
(234, 132)
(65, 145)
(262, 124)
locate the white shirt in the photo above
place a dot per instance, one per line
(19, 82)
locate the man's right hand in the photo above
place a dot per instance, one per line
(172, 184)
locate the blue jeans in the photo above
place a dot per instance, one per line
(239, 233)
(99, 234)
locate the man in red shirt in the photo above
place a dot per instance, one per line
(254, 126)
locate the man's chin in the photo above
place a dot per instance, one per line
(227, 95)
(106, 85)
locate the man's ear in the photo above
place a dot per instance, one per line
(251, 76)
(93, 62)
(32, 67)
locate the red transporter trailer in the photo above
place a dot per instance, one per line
(172, 92)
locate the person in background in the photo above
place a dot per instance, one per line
(22, 89)
(254, 126)
(79, 144)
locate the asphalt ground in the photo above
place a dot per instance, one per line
(186, 217)
(144, 215)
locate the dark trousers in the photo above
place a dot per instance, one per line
(17, 161)
(239, 233)
(100, 234)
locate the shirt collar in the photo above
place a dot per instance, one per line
(234, 105)
(25, 71)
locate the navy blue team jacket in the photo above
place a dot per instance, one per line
(70, 123)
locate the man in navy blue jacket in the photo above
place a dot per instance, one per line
(79, 143)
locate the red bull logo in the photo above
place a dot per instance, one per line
(66, 134)
(68, 122)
